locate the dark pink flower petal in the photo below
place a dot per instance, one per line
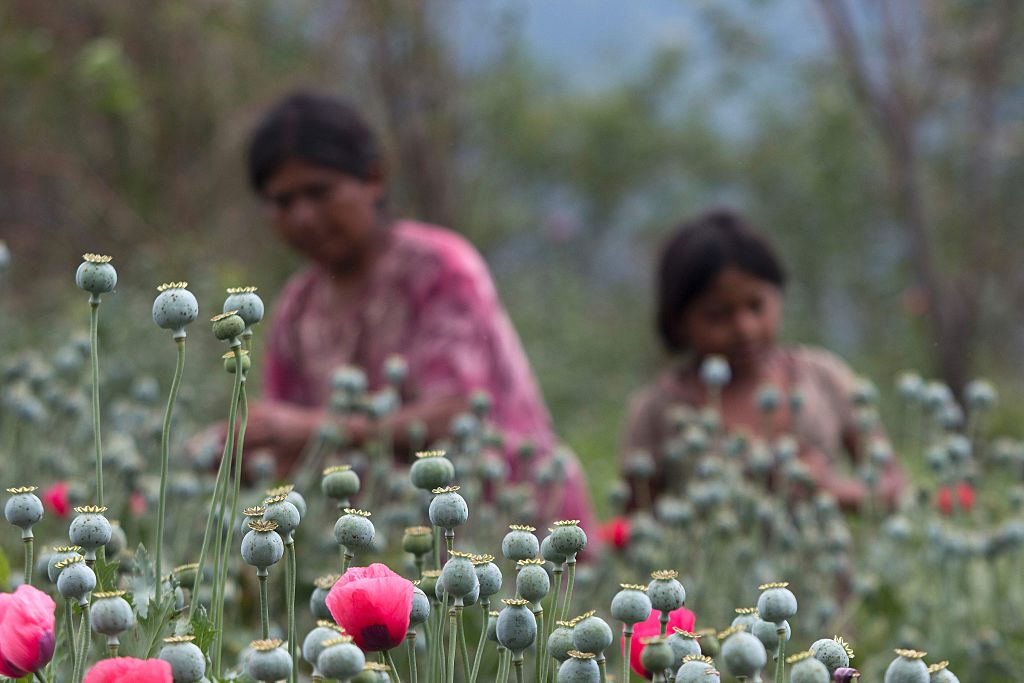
(681, 618)
(26, 631)
(372, 604)
(129, 670)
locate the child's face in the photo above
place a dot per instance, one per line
(737, 316)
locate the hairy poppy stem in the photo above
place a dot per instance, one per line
(780, 656)
(625, 657)
(165, 450)
(453, 637)
(410, 642)
(264, 608)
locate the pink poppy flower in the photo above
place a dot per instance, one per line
(372, 604)
(129, 670)
(56, 498)
(681, 618)
(26, 631)
(964, 494)
(615, 532)
(137, 504)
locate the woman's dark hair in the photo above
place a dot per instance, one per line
(316, 129)
(696, 253)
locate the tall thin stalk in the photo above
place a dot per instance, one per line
(165, 449)
(94, 317)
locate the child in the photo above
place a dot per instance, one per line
(720, 293)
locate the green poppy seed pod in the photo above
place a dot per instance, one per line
(517, 627)
(110, 614)
(561, 641)
(418, 540)
(665, 591)
(631, 604)
(268, 661)
(908, 667)
(76, 579)
(768, 398)
(480, 403)
(118, 540)
(230, 363)
(246, 302)
(23, 509)
(744, 655)
(420, 607)
(548, 552)
(473, 597)
(90, 530)
(281, 512)
(745, 617)
(909, 385)
(767, 633)
(488, 574)
(395, 370)
(448, 509)
(262, 546)
(431, 470)
(95, 275)
(579, 667)
(591, 634)
(318, 598)
(940, 674)
(640, 465)
(227, 326)
(340, 660)
(354, 530)
(175, 307)
(349, 380)
(834, 653)
(684, 644)
(776, 602)
(715, 371)
(532, 581)
(188, 664)
(657, 655)
(60, 554)
(374, 673)
(697, 670)
(980, 395)
(313, 643)
(458, 576)
(520, 543)
(568, 538)
(340, 483)
(807, 669)
(429, 581)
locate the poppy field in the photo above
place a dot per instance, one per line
(130, 557)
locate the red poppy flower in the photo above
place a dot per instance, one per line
(965, 496)
(137, 503)
(615, 532)
(56, 498)
(129, 670)
(372, 604)
(681, 618)
(26, 631)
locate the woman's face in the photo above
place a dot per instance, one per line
(737, 316)
(328, 215)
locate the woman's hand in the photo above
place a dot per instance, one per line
(281, 427)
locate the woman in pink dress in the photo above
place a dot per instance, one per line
(377, 287)
(719, 293)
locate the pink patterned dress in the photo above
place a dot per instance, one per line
(431, 300)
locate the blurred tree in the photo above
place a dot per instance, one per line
(939, 83)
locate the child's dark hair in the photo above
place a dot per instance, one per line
(318, 130)
(696, 253)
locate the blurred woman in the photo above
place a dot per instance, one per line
(720, 294)
(374, 287)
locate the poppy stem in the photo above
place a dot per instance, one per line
(553, 607)
(602, 667)
(392, 669)
(28, 560)
(94, 317)
(452, 641)
(780, 656)
(291, 569)
(439, 647)
(571, 562)
(502, 664)
(346, 560)
(70, 630)
(517, 663)
(538, 670)
(40, 676)
(264, 607)
(466, 667)
(437, 548)
(410, 642)
(165, 450)
(83, 645)
(625, 656)
(485, 603)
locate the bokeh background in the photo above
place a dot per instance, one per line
(879, 143)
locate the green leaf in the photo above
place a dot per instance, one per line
(202, 629)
